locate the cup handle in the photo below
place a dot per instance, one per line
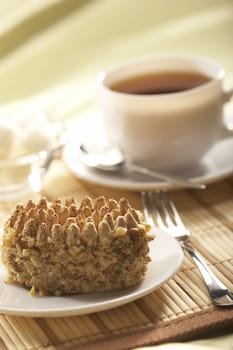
(228, 129)
(227, 95)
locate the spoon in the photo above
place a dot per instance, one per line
(111, 159)
(35, 179)
(52, 155)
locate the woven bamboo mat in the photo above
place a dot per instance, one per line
(179, 310)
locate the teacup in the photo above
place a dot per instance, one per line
(164, 112)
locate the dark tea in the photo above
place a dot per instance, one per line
(160, 82)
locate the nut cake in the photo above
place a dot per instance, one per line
(61, 248)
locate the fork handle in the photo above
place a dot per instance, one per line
(217, 290)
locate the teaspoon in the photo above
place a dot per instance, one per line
(111, 159)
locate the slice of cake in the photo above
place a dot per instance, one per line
(64, 248)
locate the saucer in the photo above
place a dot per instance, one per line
(215, 165)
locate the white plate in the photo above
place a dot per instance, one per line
(167, 257)
(215, 165)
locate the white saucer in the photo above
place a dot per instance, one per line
(215, 165)
(167, 258)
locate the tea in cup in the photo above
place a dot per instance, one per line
(164, 112)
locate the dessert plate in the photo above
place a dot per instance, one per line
(166, 255)
(215, 165)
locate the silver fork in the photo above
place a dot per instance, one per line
(159, 209)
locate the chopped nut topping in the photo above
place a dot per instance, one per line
(73, 235)
(86, 202)
(42, 233)
(57, 233)
(99, 202)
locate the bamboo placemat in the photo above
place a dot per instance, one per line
(179, 310)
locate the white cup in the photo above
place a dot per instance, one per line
(166, 130)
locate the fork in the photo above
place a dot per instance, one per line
(159, 208)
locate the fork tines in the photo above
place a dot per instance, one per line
(159, 209)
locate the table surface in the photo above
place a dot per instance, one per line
(52, 50)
